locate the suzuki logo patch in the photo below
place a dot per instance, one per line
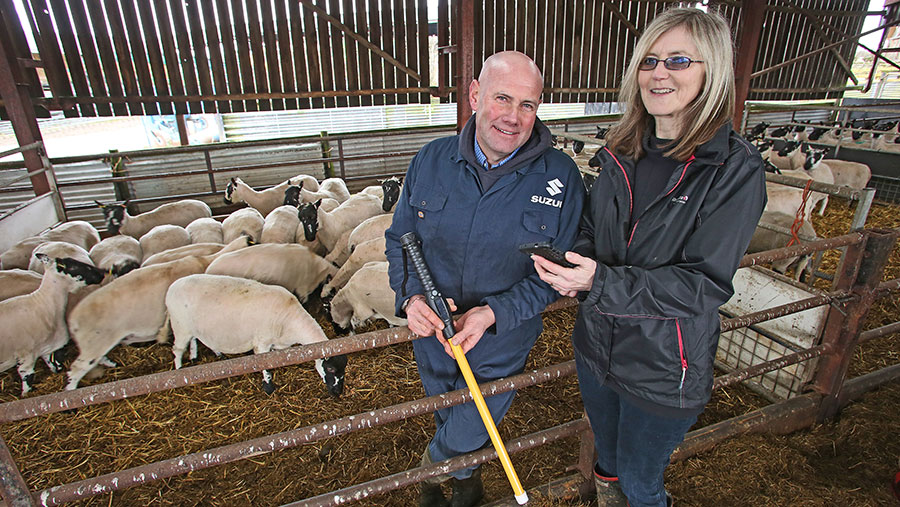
(554, 186)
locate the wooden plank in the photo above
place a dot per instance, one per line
(157, 68)
(349, 19)
(412, 47)
(18, 44)
(338, 57)
(89, 55)
(232, 70)
(422, 30)
(387, 39)
(299, 43)
(312, 56)
(399, 46)
(324, 51)
(259, 58)
(579, 62)
(484, 32)
(568, 50)
(284, 51)
(445, 61)
(479, 22)
(363, 53)
(375, 36)
(51, 54)
(167, 39)
(271, 46)
(185, 56)
(216, 65)
(559, 46)
(195, 24)
(499, 28)
(247, 83)
(520, 8)
(107, 58)
(137, 56)
(531, 30)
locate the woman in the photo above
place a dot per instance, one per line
(677, 200)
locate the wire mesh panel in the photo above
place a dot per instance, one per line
(886, 188)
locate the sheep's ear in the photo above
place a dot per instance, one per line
(98, 203)
(318, 203)
(43, 258)
(126, 202)
(233, 181)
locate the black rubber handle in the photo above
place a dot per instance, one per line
(433, 297)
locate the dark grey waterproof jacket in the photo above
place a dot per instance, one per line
(650, 325)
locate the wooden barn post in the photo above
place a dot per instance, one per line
(860, 272)
(753, 12)
(14, 88)
(465, 59)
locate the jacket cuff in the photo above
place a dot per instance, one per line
(591, 297)
(501, 314)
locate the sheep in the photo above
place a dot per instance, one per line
(162, 238)
(205, 230)
(117, 254)
(850, 174)
(328, 226)
(181, 213)
(58, 249)
(812, 168)
(370, 228)
(280, 225)
(392, 187)
(129, 309)
(367, 295)
(261, 318)
(247, 221)
(16, 282)
(782, 158)
(766, 239)
(335, 188)
(182, 252)
(306, 181)
(294, 267)
(76, 232)
(33, 325)
(833, 136)
(263, 201)
(19, 255)
(369, 251)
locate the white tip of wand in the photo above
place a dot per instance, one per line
(522, 499)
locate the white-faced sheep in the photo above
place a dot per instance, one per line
(162, 238)
(765, 239)
(367, 295)
(58, 249)
(76, 232)
(16, 282)
(205, 230)
(263, 201)
(369, 251)
(259, 317)
(370, 228)
(117, 254)
(291, 266)
(280, 225)
(850, 174)
(246, 221)
(333, 188)
(328, 226)
(33, 325)
(129, 309)
(181, 213)
(19, 255)
(182, 252)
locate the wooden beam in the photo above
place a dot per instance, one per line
(465, 60)
(752, 15)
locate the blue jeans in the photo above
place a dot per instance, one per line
(631, 443)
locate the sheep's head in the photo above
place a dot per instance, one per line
(309, 218)
(292, 195)
(391, 188)
(229, 191)
(813, 158)
(331, 369)
(114, 214)
(80, 272)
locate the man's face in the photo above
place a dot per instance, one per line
(506, 106)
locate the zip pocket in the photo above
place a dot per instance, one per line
(684, 364)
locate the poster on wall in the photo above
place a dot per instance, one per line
(162, 130)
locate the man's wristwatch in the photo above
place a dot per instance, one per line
(409, 301)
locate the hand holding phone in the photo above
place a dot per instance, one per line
(547, 251)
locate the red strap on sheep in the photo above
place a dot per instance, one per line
(798, 219)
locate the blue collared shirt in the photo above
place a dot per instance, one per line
(482, 158)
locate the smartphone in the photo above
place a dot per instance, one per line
(547, 251)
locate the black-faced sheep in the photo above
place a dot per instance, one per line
(291, 266)
(367, 295)
(391, 188)
(162, 238)
(850, 174)
(76, 232)
(181, 213)
(333, 188)
(263, 201)
(57, 250)
(280, 225)
(258, 317)
(129, 309)
(182, 252)
(205, 230)
(33, 325)
(328, 226)
(117, 254)
(369, 251)
(246, 221)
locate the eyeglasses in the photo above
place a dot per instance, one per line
(671, 63)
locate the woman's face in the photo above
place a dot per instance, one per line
(667, 93)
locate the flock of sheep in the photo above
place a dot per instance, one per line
(235, 285)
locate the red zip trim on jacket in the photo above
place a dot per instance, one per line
(627, 181)
(684, 364)
(683, 172)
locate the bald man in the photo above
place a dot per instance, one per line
(472, 199)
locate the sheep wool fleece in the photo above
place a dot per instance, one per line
(470, 242)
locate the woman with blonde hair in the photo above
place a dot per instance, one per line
(671, 214)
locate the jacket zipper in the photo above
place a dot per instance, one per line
(684, 364)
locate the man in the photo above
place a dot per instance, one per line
(472, 199)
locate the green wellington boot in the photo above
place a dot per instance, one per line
(430, 494)
(467, 492)
(609, 493)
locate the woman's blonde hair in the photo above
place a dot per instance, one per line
(712, 107)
